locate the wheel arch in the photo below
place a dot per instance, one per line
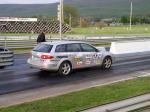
(66, 61)
(107, 56)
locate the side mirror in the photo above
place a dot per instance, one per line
(97, 50)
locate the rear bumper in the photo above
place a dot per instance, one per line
(49, 66)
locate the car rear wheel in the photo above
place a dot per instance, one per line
(107, 63)
(65, 68)
(2, 67)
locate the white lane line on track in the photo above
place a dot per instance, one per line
(27, 79)
(145, 74)
(131, 62)
(14, 68)
(113, 82)
(35, 93)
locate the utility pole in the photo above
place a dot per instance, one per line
(131, 12)
(62, 9)
(70, 20)
(60, 19)
(80, 22)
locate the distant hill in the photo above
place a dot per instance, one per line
(95, 8)
(27, 9)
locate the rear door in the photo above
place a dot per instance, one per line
(60, 52)
(75, 55)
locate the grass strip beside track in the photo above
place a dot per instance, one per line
(137, 30)
(86, 98)
(114, 30)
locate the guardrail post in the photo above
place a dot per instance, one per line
(50, 37)
(5, 43)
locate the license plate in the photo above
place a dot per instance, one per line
(35, 59)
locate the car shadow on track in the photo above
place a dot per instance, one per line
(80, 73)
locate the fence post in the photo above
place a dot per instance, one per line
(85, 38)
(5, 42)
(29, 37)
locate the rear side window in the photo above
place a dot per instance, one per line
(73, 48)
(61, 48)
(43, 48)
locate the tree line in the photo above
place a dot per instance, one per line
(135, 20)
(73, 18)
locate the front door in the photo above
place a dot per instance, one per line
(91, 55)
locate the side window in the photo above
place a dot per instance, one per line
(60, 48)
(73, 48)
(88, 48)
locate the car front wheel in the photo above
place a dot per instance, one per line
(107, 63)
(65, 68)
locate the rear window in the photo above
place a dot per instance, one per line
(61, 48)
(43, 48)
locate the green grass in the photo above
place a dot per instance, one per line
(144, 109)
(86, 98)
(102, 44)
(17, 34)
(137, 30)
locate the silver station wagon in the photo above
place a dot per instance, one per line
(65, 56)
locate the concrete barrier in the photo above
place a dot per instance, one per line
(6, 58)
(130, 49)
(109, 37)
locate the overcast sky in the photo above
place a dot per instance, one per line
(27, 1)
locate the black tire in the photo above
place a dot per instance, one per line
(65, 69)
(107, 63)
(2, 67)
(43, 71)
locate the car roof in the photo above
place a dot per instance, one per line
(61, 42)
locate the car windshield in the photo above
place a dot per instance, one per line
(43, 48)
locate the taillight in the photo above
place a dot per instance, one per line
(46, 57)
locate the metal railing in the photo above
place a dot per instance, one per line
(15, 42)
(6, 58)
(26, 42)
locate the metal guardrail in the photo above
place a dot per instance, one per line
(6, 58)
(26, 42)
(11, 44)
(15, 42)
